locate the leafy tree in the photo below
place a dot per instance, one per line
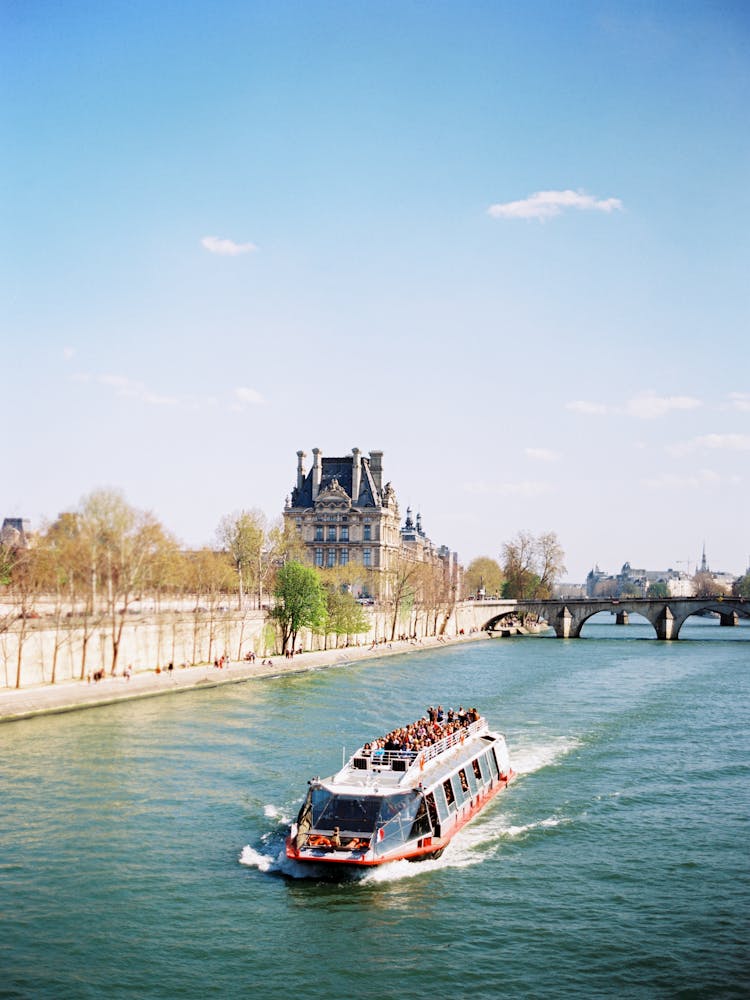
(299, 601)
(658, 590)
(483, 573)
(742, 586)
(344, 616)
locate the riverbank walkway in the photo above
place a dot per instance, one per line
(70, 696)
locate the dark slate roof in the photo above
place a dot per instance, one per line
(340, 469)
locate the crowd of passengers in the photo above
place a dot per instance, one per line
(425, 732)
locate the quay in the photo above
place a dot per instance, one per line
(70, 696)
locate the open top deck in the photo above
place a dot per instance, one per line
(392, 768)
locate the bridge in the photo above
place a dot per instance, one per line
(567, 617)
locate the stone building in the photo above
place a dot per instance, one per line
(342, 511)
(347, 517)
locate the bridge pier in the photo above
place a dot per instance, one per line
(622, 618)
(564, 624)
(730, 619)
(665, 625)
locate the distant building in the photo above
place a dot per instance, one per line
(630, 582)
(345, 516)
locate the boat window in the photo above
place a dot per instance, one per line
(464, 779)
(397, 818)
(457, 789)
(485, 769)
(353, 814)
(476, 770)
(442, 805)
(493, 761)
(432, 812)
(472, 781)
(450, 797)
(422, 825)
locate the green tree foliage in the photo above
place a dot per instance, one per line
(299, 601)
(344, 616)
(658, 590)
(742, 586)
(485, 574)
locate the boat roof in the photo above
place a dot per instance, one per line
(378, 772)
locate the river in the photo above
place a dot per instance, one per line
(141, 844)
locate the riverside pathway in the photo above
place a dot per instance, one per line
(70, 696)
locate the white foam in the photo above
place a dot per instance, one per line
(528, 759)
(254, 859)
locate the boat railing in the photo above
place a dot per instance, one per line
(404, 760)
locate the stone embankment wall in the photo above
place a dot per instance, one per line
(152, 640)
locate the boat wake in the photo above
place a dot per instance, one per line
(475, 843)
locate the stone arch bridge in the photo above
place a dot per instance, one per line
(567, 617)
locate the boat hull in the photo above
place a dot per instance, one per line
(421, 849)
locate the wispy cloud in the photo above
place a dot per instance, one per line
(711, 442)
(740, 401)
(702, 479)
(649, 406)
(244, 397)
(543, 454)
(122, 385)
(587, 408)
(546, 204)
(520, 489)
(68, 353)
(131, 388)
(225, 247)
(644, 406)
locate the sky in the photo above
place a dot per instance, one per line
(505, 243)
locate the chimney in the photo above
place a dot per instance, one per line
(317, 472)
(376, 468)
(356, 474)
(301, 456)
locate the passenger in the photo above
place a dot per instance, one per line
(335, 837)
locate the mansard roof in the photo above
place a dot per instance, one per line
(340, 470)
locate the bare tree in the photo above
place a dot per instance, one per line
(532, 565)
(242, 535)
(121, 542)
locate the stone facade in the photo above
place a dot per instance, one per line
(347, 517)
(344, 514)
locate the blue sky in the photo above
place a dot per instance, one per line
(506, 243)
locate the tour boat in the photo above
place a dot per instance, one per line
(388, 804)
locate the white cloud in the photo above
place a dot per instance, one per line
(226, 248)
(521, 489)
(543, 454)
(68, 353)
(545, 204)
(648, 406)
(587, 408)
(740, 401)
